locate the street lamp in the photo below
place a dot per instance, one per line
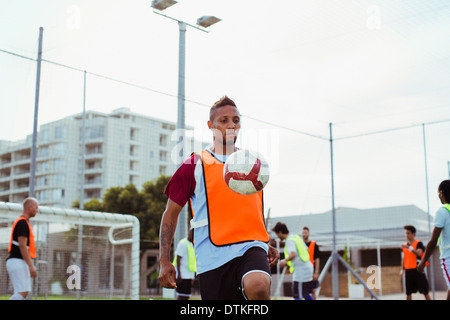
(163, 4)
(202, 23)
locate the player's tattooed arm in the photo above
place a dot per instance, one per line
(166, 235)
(168, 224)
(167, 229)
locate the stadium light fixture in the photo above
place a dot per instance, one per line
(163, 4)
(202, 24)
(207, 21)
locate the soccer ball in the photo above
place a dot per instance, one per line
(246, 172)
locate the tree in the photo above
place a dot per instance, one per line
(126, 200)
(147, 205)
(154, 203)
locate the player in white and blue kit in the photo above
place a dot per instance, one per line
(441, 234)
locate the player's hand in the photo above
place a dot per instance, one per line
(273, 256)
(420, 267)
(33, 272)
(316, 276)
(167, 275)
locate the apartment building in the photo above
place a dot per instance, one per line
(120, 148)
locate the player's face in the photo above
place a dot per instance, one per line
(441, 196)
(305, 234)
(33, 208)
(280, 235)
(409, 235)
(226, 125)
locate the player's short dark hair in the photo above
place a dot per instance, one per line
(280, 227)
(410, 228)
(222, 102)
(306, 228)
(444, 186)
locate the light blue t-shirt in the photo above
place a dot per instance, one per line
(209, 256)
(442, 220)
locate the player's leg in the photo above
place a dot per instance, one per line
(19, 296)
(256, 285)
(410, 284)
(19, 273)
(445, 265)
(307, 290)
(297, 290)
(254, 272)
(183, 290)
(422, 284)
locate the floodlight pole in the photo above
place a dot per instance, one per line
(181, 230)
(448, 167)
(182, 225)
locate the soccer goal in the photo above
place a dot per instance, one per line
(80, 254)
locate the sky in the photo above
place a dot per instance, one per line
(292, 67)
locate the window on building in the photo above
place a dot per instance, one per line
(60, 132)
(42, 181)
(133, 134)
(57, 194)
(43, 152)
(58, 164)
(43, 136)
(162, 155)
(42, 195)
(59, 149)
(97, 149)
(163, 140)
(93, 132)
(42, 167)
(58, 179)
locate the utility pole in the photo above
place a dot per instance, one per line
(35, 123)
(83, 145)
(334, 254)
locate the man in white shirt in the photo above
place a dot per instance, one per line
(297, 258)
(441, 234)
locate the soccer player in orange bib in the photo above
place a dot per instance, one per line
(231, 242)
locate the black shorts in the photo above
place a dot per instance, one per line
(415, 281)
(225, 282)
(314, 284)
(184, 287)
(301, 290)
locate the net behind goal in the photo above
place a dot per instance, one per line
(79, 254)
